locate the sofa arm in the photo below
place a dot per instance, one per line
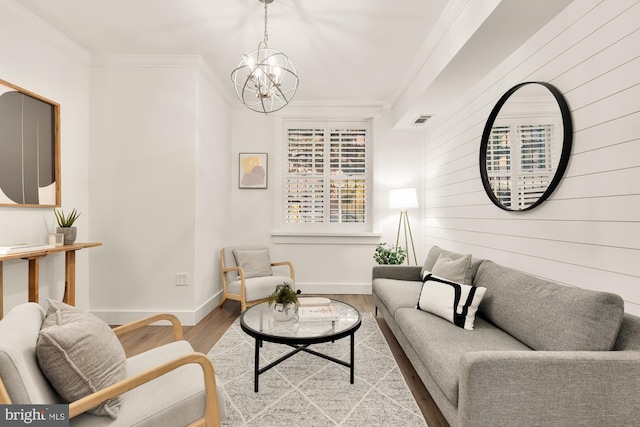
(398, 272)
(539, 388)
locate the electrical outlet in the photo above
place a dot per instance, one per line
(182, 279)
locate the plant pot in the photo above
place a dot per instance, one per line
(282, 313)
(69, 234)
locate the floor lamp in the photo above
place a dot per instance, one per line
(404, 199)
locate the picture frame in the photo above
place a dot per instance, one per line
(253, 171)
(29, 148)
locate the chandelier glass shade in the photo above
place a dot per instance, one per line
(265, 80)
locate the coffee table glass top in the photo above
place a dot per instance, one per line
(259, 319)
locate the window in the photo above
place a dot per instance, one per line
(520, 161)
(328, 176)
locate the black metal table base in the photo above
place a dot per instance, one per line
(298, 348)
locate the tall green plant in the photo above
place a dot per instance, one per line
(66, 220)
(388, 255)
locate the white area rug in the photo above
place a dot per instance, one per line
(306, 390)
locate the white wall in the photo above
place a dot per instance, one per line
(588, 233)
(213, 191)
(323, 264)
(158, 178)
(38, 59)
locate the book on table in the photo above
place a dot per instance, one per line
(317, 313)
(313, 301)
(24, 247)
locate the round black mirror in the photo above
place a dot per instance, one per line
(526, 144)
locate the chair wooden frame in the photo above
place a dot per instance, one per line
(242, 295)
(211, 417)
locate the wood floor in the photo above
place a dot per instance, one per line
(208, 331)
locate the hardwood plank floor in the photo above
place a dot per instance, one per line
(209, 330)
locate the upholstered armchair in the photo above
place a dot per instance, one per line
(249, 276)
(46, 357)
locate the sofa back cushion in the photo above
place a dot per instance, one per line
(546, 315)
(436, 252)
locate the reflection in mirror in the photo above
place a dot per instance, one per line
(525, 146)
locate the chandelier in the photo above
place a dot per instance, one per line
(266, 79)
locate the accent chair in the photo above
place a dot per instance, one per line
(249, 276)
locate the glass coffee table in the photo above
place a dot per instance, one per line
(258, 322)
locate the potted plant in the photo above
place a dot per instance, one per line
(389, 255)
(65, 225)
(284, 301)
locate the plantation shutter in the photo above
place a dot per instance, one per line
(520, 162)
(535, 172)
(348, 176)
(328, 175)
(499, 163)
(305, 178)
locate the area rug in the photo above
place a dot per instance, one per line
(306, 390)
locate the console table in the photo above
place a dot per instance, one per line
(34, 271)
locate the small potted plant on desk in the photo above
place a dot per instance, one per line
(65, 225)
(284, 301)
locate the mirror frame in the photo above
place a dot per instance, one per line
(567, 142)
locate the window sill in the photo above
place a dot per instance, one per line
(288, 238)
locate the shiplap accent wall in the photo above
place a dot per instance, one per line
(588, 233)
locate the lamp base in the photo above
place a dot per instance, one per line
(404, 224)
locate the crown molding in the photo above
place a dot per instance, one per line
(44, 30)
(196, 62)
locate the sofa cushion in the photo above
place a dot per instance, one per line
(452, 301)
(452, 269)
(397, 293)
(440, 345)
(254, 263)
(79, 354)
(436, 252)
(546, 315)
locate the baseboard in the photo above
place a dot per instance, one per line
(187, 317)
(192, 317)
(335, 288)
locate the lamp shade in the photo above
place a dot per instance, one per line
(403, 198)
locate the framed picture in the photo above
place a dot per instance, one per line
(253, 170)
(29, 148)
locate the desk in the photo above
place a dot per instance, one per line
(34, 271)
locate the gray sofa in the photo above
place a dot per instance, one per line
(540, 353)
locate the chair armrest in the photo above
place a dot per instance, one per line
(4, 394)
(398, 272)
(227, 269)
(560, 388)
(212, 411)
(175, 322)
(292, 274)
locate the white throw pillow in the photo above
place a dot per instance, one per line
(452, 301)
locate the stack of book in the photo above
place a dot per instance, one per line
(316, 309)
(24, 247)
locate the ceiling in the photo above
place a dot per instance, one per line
(347, 52)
